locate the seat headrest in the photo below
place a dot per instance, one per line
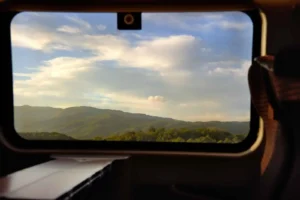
(287, 62)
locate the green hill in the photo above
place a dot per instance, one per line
(88, 123)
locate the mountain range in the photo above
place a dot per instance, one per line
(87, 122)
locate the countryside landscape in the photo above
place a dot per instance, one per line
(88, 123)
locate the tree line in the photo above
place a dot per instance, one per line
(200, 135)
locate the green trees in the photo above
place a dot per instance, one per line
(201, 135)
(152, 134)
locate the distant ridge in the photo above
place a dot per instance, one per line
(86, 122)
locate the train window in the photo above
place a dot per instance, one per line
(181, 78)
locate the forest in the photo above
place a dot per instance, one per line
(200, 135)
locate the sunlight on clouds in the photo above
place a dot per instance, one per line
(78, 21)
(101, 27)
(68, 29)
(176, 77)
(22, 75)
(38, 38)
(29, 37)
(63, 47)
(160, 53)
(46, 81)
(130, 102)
(61, 75)
(241, 71)
(107, 47)
(26, 93)
(64, 67)
(156, 98)
(203, 103)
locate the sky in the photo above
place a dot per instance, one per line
(186, 66)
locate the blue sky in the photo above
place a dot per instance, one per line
(188, 66)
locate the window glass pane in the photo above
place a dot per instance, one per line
(182, 78)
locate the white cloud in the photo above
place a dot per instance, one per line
(190, 21)
(49, 79)
(162, 54)
(133, 103)
(223, 24)
(156, 98)
(202, 103)
(38, 38)
(63, 77)
(232, 25)
(29, 37)
(22, 75)
(68, 29)
(79, 21)
(239, 71)
(64, 47)
(101, 27)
